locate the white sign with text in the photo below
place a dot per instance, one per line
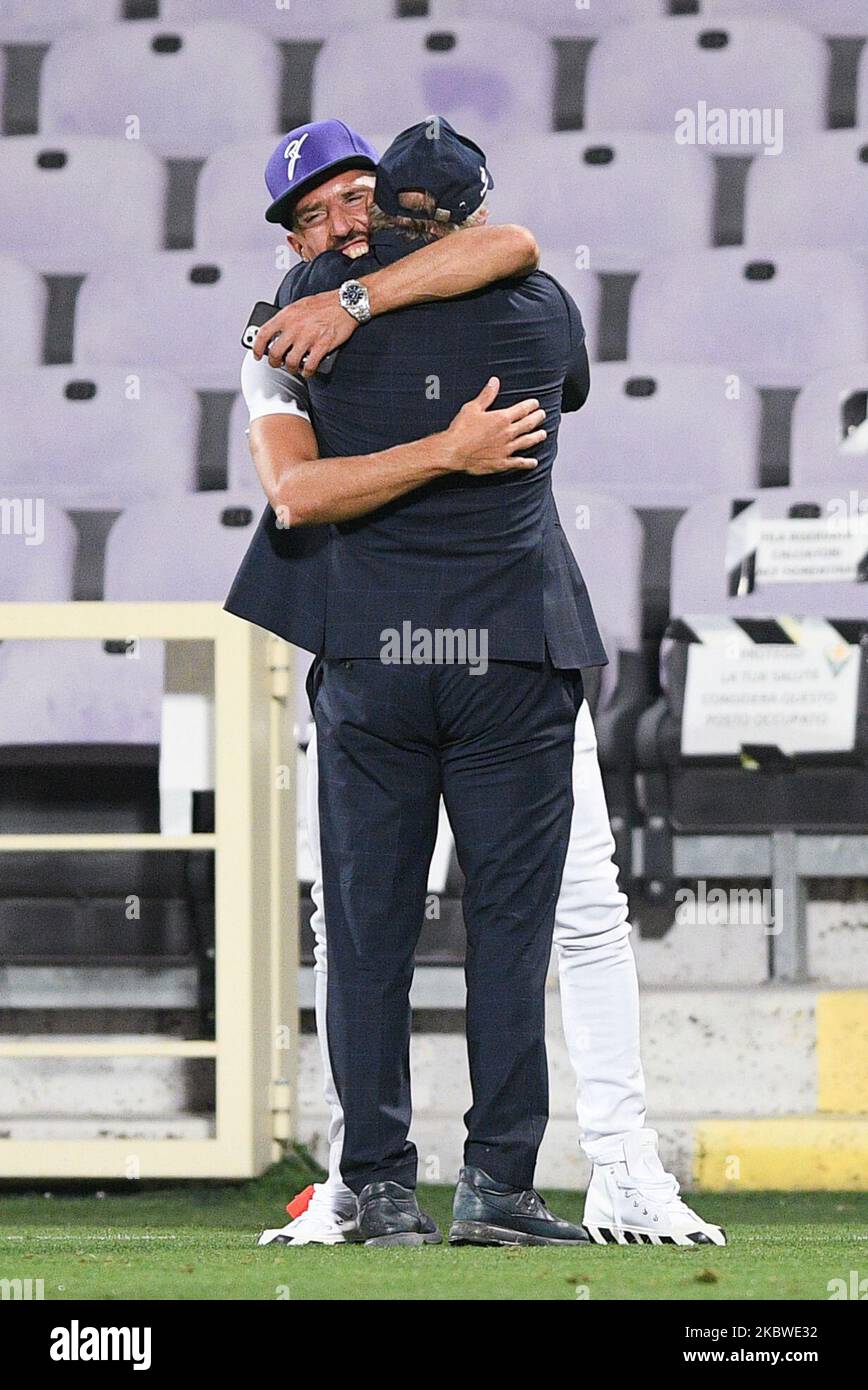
(801, 699)
(802, 551)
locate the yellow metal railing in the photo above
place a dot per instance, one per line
(256, 1030)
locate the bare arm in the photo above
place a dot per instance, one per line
(305, 490)
(454, 265)
(444, 269)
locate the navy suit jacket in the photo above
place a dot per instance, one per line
(464, 551)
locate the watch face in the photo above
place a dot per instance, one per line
(354, 294)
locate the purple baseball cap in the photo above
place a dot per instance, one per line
(309, 155)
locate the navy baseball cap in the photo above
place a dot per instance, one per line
(309, 155)
(434, 158)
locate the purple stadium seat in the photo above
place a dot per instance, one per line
(22, 294)
(829, 442)
(38, 546)
(181, 91)
(301, 20)
(815, 194)
(557, 19)
(776, 318)
(187, 549)
(65, 692)
(180, 310)
(110, 195)
(78, 693)
(97, 437)
(486, 78)
(641, 76)
(231, 198)
(840, 18)
(660, 436)
(223, 524)
(706, 552)
(41, 21)
(603, 192)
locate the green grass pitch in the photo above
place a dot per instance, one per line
(198, 1242)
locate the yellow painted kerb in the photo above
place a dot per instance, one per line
(842, 1052)
(792, 1154)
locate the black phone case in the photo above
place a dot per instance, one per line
(260, 314)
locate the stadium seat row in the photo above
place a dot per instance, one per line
(189, 548)
(42, 20)
(188, 88)
(775, 318)
(655, 435)
(598, 197)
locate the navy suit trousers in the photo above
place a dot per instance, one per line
(499, 748)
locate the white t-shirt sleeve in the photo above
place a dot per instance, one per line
(271, 390)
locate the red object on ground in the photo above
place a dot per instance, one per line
(300, 1202)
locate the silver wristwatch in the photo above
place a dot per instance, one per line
(354, 298)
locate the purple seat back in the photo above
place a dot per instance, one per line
(711, 553)
(641, 75)
(176, 302)
(774, 317)
(187, 550)
(660, 435)
(488, 79)
(602, 193)
(829, 438)
(190, 89)
(98, 436)
(814, 194)
(110, 194)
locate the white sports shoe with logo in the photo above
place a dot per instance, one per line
(634, 1201)
(321, 1215)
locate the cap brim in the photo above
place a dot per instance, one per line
(282, 207)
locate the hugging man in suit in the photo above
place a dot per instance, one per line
(466, 579)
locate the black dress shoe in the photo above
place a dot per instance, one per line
(389, 1215)
(486, 1212)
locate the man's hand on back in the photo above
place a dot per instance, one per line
(315, 325)
(491, 441)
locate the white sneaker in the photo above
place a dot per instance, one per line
(322, 1215)
(634, 1201)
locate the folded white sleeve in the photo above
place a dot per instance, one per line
(273, 390)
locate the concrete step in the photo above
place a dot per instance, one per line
(98, 987)
(124, 1087)
(699, 1047)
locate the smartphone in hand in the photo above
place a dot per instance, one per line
(259, 315)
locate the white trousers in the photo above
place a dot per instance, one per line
(596, 967)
